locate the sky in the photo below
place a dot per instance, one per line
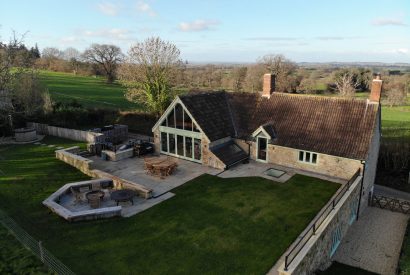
(222, 31)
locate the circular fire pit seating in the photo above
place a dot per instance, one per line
(75, 189)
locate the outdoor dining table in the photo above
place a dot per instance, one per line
(163, 168)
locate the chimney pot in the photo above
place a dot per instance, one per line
(268, 85)
(376, 89)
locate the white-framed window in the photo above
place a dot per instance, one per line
(336, 238)
(308, 157)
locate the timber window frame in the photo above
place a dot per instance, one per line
(307, 157)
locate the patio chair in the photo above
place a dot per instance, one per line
(96, 186)
(149, 168)
(78, 196)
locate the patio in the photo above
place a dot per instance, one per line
(133, 169)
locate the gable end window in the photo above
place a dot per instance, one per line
(307, 157)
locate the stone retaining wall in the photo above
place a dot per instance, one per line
(69, 156)
(316, 254)
(85, 165)
(52, 203)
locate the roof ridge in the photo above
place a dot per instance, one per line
(320, 97)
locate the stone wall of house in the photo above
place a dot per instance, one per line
(157, 140)
(316, 254)
(338, 167)
(208, 158)
(371, 166)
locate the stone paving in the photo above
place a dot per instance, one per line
(258, 169)
(132, 169)
(374, 242)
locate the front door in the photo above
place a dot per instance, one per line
(262, 149)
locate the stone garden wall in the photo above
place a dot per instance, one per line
(69, 156)
(78, 135)
(316, 254)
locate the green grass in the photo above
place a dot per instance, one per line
(341, 269)
(90, 91)
(15, 259)
(211, 226)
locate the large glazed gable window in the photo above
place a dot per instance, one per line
(178, 118)
(180, 136)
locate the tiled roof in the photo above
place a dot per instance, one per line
(211, 112)
(334, 126)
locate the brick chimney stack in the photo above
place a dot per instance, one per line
(376, 90)
(268, 85)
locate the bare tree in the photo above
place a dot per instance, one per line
(73, 56)
(51, 53)
(20, 89)
(254, 78)
(395, 88)
(346, 84)
(149, 73)
(107, 56)
(307, 86)
(238, 78)
(281, 67)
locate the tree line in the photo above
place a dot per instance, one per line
(152, 73)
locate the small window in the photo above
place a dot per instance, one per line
(336, 238)
(307, 157)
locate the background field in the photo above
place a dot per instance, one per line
(90, 91)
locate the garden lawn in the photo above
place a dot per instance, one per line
(211, 226)
(15, 258)
(89, 91)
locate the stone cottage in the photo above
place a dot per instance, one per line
(326, 135)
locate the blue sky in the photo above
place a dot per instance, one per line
(225, 31)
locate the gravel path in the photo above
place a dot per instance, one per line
(374, 241)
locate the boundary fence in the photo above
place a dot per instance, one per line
(36, 247)
(291, 255)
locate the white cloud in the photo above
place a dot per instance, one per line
(403, 51)
(197, 25)
(144, 7)
(119, 34)
(388, 22)
(108, 8)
